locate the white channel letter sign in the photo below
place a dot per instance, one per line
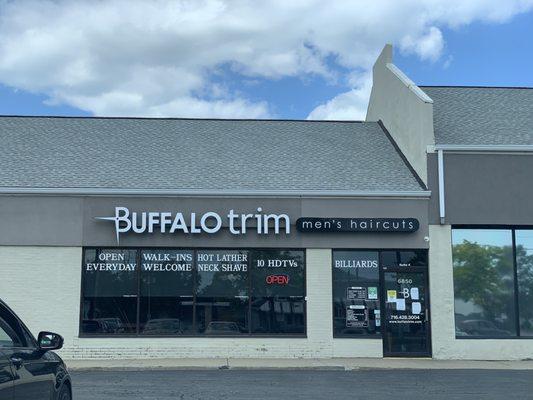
(208, 222)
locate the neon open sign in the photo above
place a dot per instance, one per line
(277, 279)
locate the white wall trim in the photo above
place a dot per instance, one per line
(442, 203)
(409, 83)
(481, 148)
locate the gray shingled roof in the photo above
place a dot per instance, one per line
(482, 116)
(123, 153)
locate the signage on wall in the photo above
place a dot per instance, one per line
(327, 225)
(209, 222)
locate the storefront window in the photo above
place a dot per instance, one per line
(483, 273)
(278, 292)
(404, 258)
(524, 263)
(177, 292)
(356, 310)
(109, 304)
(222, 292)
(166, 303)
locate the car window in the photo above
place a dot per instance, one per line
(11, 332)
(8, 337)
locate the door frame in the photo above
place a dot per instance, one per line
(384, 324)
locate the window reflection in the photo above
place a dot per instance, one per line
(356, 309)
(193, 292)
(483, 275)
(167, 281)
(110, 292)
(222, 316)
(279, 315)
(524, 264)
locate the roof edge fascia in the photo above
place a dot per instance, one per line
(209, 193)
(481, 148)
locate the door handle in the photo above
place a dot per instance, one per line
(17, 362)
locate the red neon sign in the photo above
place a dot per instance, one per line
(277, 279)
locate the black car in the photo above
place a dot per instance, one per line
(29, 370)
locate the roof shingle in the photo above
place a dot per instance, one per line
(193, 154)
(482, 115)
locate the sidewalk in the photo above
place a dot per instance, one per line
(347, 364)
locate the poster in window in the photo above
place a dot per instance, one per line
(356, 316)
(355, 293)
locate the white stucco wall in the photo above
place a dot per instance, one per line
(445, 345)
(42, 285)
(405, 110)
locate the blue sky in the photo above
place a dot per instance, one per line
(481, 52)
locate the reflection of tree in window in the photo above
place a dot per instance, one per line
(484, 289)
(524, 262)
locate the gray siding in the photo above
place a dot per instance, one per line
(494, 189)
(70, 221)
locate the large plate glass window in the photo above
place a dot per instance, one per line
(356, 302)
(222, 292)
(278, 292)
(484, 283)
(524, 263)
(109, 304)
(167, 282)
(186, 292)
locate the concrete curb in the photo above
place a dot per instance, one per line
(333, 364)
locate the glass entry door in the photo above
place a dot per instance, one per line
(406, 321)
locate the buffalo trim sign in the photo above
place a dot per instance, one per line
(322, 225)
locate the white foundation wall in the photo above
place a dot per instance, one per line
(42, 285)
(444, 343)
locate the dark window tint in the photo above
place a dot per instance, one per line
(277, 273)
(278, 292)
(174, 292)
(11, 332)
(356, 309)
(524, 263)
(405, 258)
(222, 292)
(109, 304)
(222, 273)
(222, 316)
(483, 275)
(167, 279)
(278, 315)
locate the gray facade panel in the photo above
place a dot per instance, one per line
(70, 221)
(493, 189)
(53, 221)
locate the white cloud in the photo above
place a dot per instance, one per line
(428, 46)
(133, 57)
(350, 105)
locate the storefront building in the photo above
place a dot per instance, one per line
(404, 235)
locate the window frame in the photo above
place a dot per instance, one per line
(380, 250)
(516, 294)
(195, 251)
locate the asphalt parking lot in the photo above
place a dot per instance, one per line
(303, 384)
